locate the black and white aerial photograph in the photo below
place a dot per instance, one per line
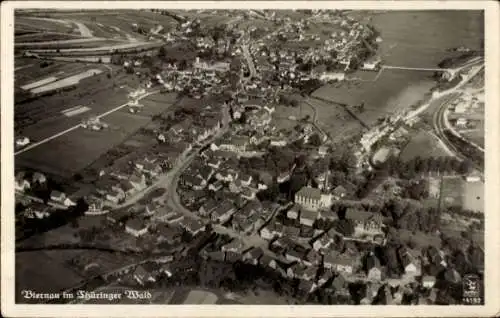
(249, 156)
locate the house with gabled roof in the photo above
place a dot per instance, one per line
(193, 226)
(428, 281)
(294, 255)
(308, 217)
(312, 258)
(36, 210)
(245, 179)
(142, 276)
(296, 270)
(339, 262)
(294, 212)
(227, 175)
(339, 192)
(136, 227)
(208, 207)
(138, 181)
(223, 212)
(306, 287)
(365, 223)
(21, 184)
(214, 163)
(373, 267)
(253, 255)
(205, 173)
(216, 186)
(38, 177)
(235, 246)
(60, 198)
(410, 264)
(271, 230)
(322, 242)
(247, 194)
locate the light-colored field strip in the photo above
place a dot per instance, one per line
(70, 109)
(75, 111)
(60, 42)
(68, 81)
(41, 82)
(22, 67)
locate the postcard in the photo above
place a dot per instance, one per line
(250, 158)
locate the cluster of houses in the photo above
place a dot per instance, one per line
(36, 207)
(136, 221)
(193, 130)
(213, 173)
(311, 206)
(468, 110)
(114, 186)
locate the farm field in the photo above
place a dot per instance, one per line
(67, 44)
(37, 72)
(41, 117)
(452, 190)
(476, 137)
(46, 36)
(155, 104)
(394, 90)
(67, 81)
(423, 140)
(335, 120)
(44, 271)
(118, 23)
(63, 156)
(45, 24)
(474, 196)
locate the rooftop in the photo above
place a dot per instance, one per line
(308, 192)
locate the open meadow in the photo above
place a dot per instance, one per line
(335, 120)
(452, 190)
(77, 149)
(423, 144)
(48, 273)
(38, 24)
(474, 196)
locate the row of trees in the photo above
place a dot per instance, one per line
(431, 165)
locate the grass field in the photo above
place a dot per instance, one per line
(67, 44)
(118, 23)
(423, 140)
(41, 117)
(452, 191)
(335, 120)
(156, 104)
(42, 24)
(474, 196)
(75, 150)
(43, 272)
(36, 72)
(42, 37)
(67, 81)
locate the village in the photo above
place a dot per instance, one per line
(222, 172)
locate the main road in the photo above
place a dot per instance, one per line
(439, 120)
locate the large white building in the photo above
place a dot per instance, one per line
(312, 198)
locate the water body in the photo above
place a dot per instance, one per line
(419, 39)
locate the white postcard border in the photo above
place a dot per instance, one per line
(492, 294)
